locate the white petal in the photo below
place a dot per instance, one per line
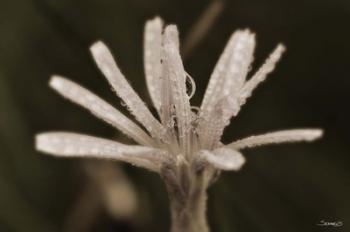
(152, 58)
(230, 72)
(286, 136)
(225, 82)
(224, 158)
(99, 108)
(67, 144)
(176, 75)
(261, 74)
(137, 107)
(167, 107)
(230, 106)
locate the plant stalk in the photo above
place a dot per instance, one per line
(188, 199)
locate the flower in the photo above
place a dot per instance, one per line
(185, 136)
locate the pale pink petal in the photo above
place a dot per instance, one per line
(285, 136)
(99, 108)
(261, 74)
(223, 158)
(152, 59)
(175, 75)
(66, 144)
(225, 82)
(230, 72)
(137, 107)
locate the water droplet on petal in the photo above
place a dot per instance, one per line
(192, 85)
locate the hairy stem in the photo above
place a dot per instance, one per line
(188, 196)
(190, 215)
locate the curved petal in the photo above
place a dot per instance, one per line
(105, 61)
(152, 59)
(230, 106)
(230, 72)
(223, 158)
(175, 74)
(261, 74)
(66, 144)
(285, 136)
(99, 108)
(225, 82)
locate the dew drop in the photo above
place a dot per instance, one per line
(192, 85)
(196, 109)
(123, 103)
(250, 68)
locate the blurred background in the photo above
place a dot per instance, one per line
(281, 188)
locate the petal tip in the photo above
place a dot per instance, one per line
(236, 161)
(156, 20)
(55, 81)
(171, 39)
(240, 162)
(97, 47)
(39, 142)
(171, 32)
(224, 159)
(281, 48)
(316, 134)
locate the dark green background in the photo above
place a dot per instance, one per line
(282, 188)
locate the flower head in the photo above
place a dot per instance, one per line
(184, 136)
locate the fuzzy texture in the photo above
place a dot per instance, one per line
(184, 146)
